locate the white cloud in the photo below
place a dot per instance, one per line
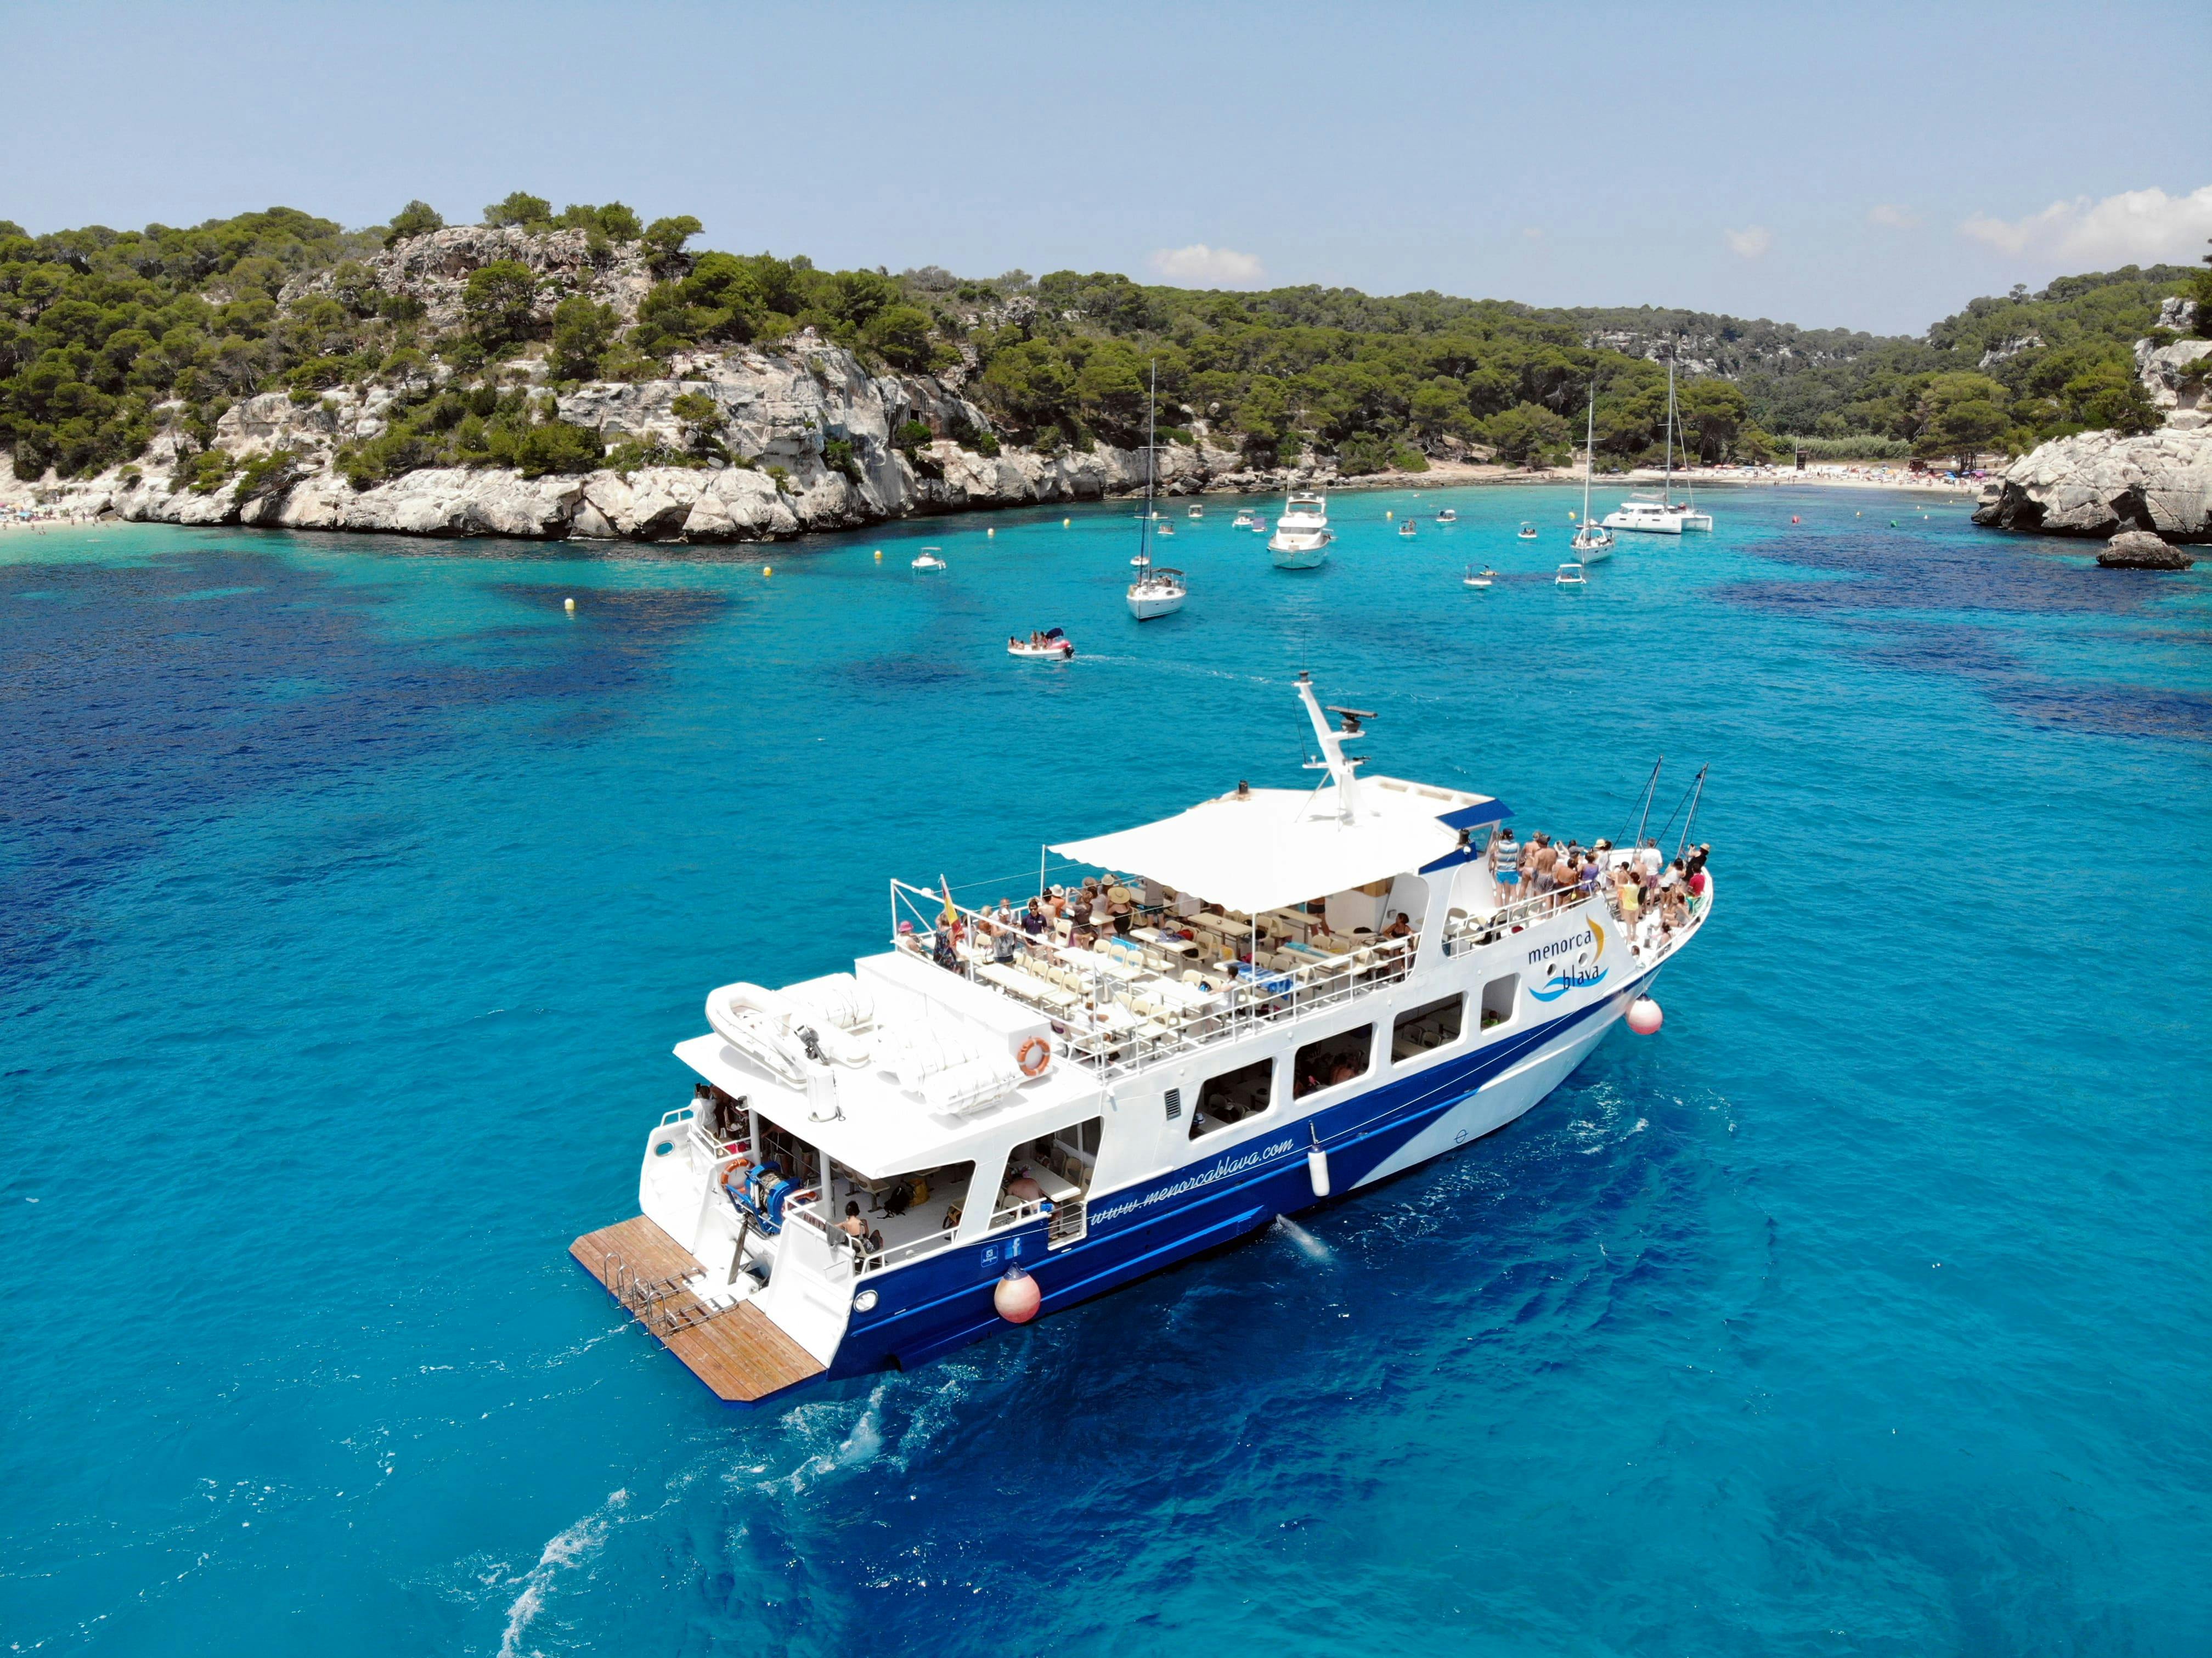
(1888, 213)
(2133, 226)
(1201, 266)
(1748, 243)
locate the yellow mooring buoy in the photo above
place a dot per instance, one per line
(570, 606)
(1065, 522)
(767, 570)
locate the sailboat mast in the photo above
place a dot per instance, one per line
(1667, 489)
(1590, 450)
(1144, 534)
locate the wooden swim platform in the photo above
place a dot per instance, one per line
(736, 1350)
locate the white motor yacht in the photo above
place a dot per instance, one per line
(932, 558)
(1302, 534)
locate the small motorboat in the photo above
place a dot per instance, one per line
(1195, 511)
(1448, 515)
(1051, 646)
(1243, 520)
(1472, 580)
(1406, 531)
(1569, 575)
(1259, 525)
(1527, 531)
(932, 558)
(1167, 530)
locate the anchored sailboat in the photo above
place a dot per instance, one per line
(1158, 591)
(1593, 542)
(1662, 514)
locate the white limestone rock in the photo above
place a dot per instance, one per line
(2097, 483)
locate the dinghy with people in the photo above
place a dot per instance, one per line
(1051, 646)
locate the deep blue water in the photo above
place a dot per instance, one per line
(352, 895)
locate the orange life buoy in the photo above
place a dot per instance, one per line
(1043, 1056)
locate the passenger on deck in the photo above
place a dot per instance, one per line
(1343, 1073)
(1649, 857)
(942, 952)
(1399, 928)
(1034, 921)
(1023, 1187)
(1004, 941)
(852, 1226)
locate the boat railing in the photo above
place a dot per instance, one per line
(1107, 1035)
(1467, 933)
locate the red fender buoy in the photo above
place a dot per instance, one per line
(1017, 1297)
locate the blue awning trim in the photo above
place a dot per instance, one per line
(1488, 811)
(1456, 855)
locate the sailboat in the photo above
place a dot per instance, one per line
(1157, 590)
(1662, 514)
(1593, 542)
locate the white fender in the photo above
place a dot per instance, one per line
(1317, 1170)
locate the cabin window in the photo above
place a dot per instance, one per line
(1234, 1096)
(899, 1216)
(1334, 1059)
(1051, 1176)
(1501, 999)
(1423, 1029)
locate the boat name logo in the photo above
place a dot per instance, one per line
(1220, 1168)
(1566, 946)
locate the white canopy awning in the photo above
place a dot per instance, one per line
(1277, 846)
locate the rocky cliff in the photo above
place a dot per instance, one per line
(2097, 483)
(784, 406)
(2100, 483)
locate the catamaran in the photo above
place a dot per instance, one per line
(1593, 542)
(1302, 533)
(984, 1118)
(1660, 515)
(1158, 591)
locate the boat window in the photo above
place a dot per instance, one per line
(1423, 1029)
(1051, 1176)
(899, 1216)
(1332, 1060)
(1500, 999)
(1234, 1096)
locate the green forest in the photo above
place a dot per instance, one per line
(106, 335)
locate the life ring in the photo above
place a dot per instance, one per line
(1043, 1056)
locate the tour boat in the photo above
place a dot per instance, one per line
(1302, 533)
(932, 558)
(1053, 645)
(1157, 590)
(1592, 542)
(1528, 531)
(1406, 531)
(1660, 515)
(1472, 580)
(1569, 575)
(1448, 515)
(978, 1123)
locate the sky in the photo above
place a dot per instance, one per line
(1873, 167)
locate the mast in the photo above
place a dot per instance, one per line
(1144, 533)
(1667, 489)
(1589, 449)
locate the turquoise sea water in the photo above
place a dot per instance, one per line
(352, 895)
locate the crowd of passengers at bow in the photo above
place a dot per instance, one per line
(1009, 1111)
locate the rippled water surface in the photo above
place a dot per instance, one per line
(352, 893)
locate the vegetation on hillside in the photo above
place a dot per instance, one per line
(106, 336)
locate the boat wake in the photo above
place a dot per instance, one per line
(567, 1549)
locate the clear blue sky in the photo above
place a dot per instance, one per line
(1814, 165)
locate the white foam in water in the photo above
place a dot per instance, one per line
(566, 1549)
(1308, 1246)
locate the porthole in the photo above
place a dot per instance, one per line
(662, 1148)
